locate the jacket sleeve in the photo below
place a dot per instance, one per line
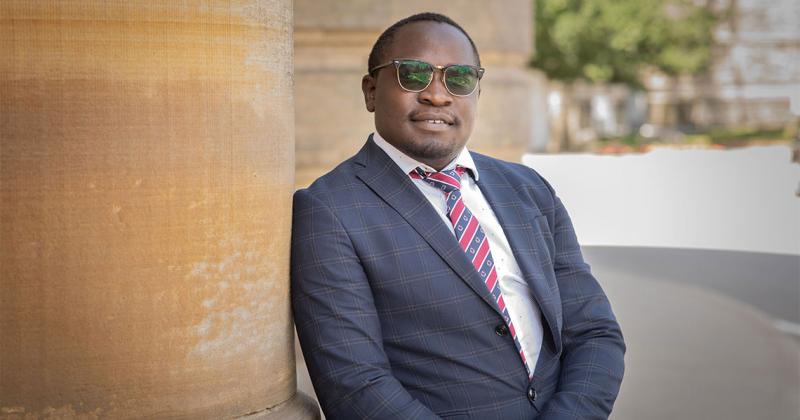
(592, 362)
(337, 322)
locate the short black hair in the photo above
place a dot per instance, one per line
(383, 41)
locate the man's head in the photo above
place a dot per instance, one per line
(433, 125)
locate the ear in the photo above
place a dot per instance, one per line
(368, 87)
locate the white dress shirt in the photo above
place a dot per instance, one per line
(522, 308)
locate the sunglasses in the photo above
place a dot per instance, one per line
(416, 76)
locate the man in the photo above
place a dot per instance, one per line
(431, 282)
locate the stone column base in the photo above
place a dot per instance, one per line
(299, 407)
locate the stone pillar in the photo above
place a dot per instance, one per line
(333, 40)
(146, 172)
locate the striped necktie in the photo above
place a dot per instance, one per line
(471, 237)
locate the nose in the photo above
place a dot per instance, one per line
(436, 94)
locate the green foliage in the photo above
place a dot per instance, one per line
(722, 135)
(613, 40)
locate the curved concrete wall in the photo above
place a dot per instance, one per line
(740, 199)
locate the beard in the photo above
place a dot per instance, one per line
(434, 151)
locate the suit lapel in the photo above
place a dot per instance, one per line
(517, 218)
(386, 179)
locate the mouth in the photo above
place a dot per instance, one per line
(431, 125)
(431, 121)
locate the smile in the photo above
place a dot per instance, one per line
(433, 119)
(431, 124)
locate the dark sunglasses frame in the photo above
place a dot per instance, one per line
(399, 61)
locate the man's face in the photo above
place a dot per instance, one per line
(406, 119)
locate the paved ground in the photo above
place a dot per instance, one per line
(696, 354)
(693, 352)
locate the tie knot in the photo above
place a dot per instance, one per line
(447, 181)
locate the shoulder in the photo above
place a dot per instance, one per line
(334, 189)
(343, 173)
(524, 179)
(515, 171)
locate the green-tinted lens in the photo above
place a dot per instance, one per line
(414, 75)
(461, 80)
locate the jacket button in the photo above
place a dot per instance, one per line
(501, 330)
(531, 395)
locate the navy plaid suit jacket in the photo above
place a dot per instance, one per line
(395, 323)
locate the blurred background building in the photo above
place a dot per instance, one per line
(755, 70)
(724, 75)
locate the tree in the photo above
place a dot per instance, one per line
(614, 40)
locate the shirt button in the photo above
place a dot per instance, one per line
(501, 330)
(531, 395)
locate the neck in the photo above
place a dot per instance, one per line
(437, 164)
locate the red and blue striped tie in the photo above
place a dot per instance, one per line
(471, 237)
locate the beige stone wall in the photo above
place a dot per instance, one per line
(333, 40)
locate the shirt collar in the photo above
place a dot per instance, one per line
(408, 164)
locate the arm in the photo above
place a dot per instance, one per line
(592, 360)
(337, 322)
